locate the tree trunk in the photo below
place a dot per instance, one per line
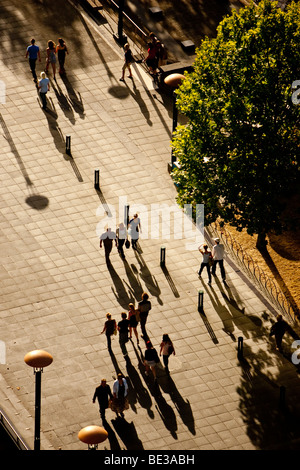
(261, 241)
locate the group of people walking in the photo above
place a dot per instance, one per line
(126, 328)
(156, 57)
(128, 324)
(53, 52)
(120, 237)
(156, 54)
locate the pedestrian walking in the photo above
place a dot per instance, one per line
(206, 258)
(151, 59)
(44, 87)
(102, 394)
(161, 53)
(110, 328)
(128, 60)
(61, 50)
(218, 255)
(123, 328)
(144, 306)
(151, 359)
(134, 228)
(133, 322)
(33, 53)
(166, 349)
(278, 330)
(119, 402)
(51, 57)
(121, 233)
(106, 239)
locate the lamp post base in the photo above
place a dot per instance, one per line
(120, 39)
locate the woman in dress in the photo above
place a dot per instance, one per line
(119, 402)
(133, 323)
(110, 326)
(51, 57)
(61, 51)
(166, 349)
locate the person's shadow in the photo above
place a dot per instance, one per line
(135, 285)
(138, 392)
(136, 95)
(127, 433)
(149, 280)
(63, 102)
(183, 406)
(75, 98)
(122, 296)
(167, 414)
(112, 438)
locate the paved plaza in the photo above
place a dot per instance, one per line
(56, 287)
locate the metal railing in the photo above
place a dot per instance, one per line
(138, 35)
(264, 282)
(12, 433)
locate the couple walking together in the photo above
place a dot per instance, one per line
(210, 259)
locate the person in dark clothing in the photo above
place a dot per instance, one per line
(102, 393)
(151, 359)
(106, 239)
(33, 52)
(61, 51)
(128, 60)
(109, 328)
(121, 234)
(123, 328)
(278, 330)
(144, 307)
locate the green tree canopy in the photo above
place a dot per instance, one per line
(238, 155)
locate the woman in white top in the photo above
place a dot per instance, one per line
(206, 256)
(119, 402)
(121, 238)
(134, 229)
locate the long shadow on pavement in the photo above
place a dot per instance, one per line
(183, 406)
(164, 410)
(149, 280)
(123, 296)
(272, 423)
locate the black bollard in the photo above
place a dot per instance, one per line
(162, 256)
(126, 215)
(200, 301)
(97, 180)
(240, 347)
(68, 144)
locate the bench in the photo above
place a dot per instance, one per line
(95, 4)
(176, 67)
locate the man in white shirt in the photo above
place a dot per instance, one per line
(218, 255)
(44, 87)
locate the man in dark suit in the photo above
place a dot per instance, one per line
(102, 393)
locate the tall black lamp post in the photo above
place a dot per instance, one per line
(174, 81)
(38, 359)
(120, 37)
